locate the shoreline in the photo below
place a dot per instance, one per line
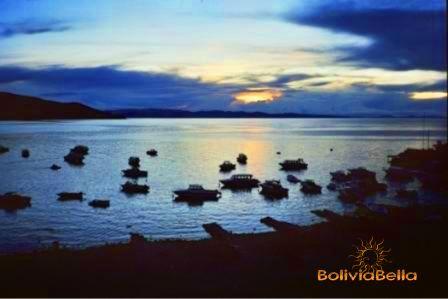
(435, 117)
(282, 263)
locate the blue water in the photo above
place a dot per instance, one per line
(190, 151)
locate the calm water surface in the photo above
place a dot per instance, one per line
(190, 151)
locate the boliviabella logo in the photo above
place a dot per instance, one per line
(369, 260)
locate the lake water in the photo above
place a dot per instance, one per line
(190, 151)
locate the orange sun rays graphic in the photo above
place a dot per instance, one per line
(370, 256)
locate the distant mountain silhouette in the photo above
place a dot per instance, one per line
(172, 113)
(19, 107)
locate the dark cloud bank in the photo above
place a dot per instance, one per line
(110, 87)
(403, 38)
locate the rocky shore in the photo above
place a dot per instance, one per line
(283, 263)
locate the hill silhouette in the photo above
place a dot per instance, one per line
(20, 107)
(173, 113)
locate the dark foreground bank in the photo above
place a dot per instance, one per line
(281, 264)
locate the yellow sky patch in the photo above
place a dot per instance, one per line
(257, 95)
(428, 95)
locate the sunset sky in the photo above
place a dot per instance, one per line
(307, 56)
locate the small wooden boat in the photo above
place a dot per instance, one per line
(351, 195)
(25, 153)
(293, 165)
(152, 152)
(227, 166)
(134, 173)
(65, 196)
(3, 149)
(99, 203)
(196, 193)
(292, 179)
(397, 174)
(242, 159)
(55, 167)
(74, 159)
(339, 176)
(132, 188)
(81, 150)
(134, 162)
(273, 189)
(310, 187)
(13, 201)
(240, 181)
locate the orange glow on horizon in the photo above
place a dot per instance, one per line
(428, 95)
(257, 95)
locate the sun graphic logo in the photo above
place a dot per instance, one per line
(370, 256)
(369, 260)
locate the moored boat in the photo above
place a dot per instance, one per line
(134, 173)
(227, 166)
(310, 187)
(152, 152)
(3, 149)
(361, 173)
(292, 179)
(55, 167)
(134, 162)
(351, 195)
(99, 203)
(64, 196)
(356, 184)
(242, 159)
(292, 165)
(13, 201)
(398, 174)
(196, 193)
(80, 149)
(25, 153)
(332, 187)
(240, 181)
(74, 159)
(132, 188)
(339, 176)
(273, 189)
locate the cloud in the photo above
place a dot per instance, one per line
(31, 27)
(402, 38)
(283, 80)
(440, 85)
(111, 87)
(11, 74)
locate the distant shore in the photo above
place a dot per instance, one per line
(173, 113)
(277, 264)
(26, 108)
